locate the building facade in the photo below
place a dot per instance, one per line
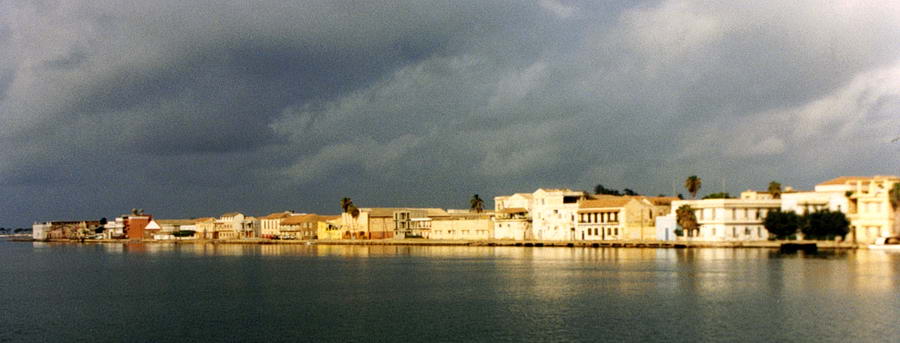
(730, 219)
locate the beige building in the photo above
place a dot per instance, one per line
(463, 226)
(300, 227)
(607, 217)
(270, 225)
(730, 219)
(383, 223)
(553, 213)
(869, 207)
(206, 227)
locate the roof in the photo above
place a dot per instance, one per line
(662, 200)
(604, 202)
(277, 215)
(389, 211)
(306, 218)
(176, 221)
(230, 214)
(205, 219)
(513, 210)
(843, 179)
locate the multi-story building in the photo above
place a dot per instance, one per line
(865, 200)
(730, 219)
(235, 225)
(270, 225)
(869, 207)
(607, 217)
(300, 227)
(512, 217)
(206, 227)
(383, 223)
(553, 213)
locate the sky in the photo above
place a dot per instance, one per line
(192, 109)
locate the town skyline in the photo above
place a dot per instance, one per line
(190, 109)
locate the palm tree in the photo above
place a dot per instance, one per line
(775, 189)
(693, 184)
(353, 210)
(687, 219)
(476, 204)
(345, 204)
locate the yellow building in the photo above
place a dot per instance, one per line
(329, 228)
(870, 211)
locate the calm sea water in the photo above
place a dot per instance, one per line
(154, 293)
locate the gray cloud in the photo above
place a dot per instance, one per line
(190, 109)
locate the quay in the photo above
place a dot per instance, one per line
(493, 243)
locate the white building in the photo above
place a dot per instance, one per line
(554, 214)
(512, 219)
(730, 219)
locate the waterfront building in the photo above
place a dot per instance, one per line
(553, 213)
(329, 228)
(61, 229)
(206, 227)
(270, 225)
(166, 228)
(463, 226)
(608, 217)
(381, 222)
(665, 227)
(300, 227)
(134, 225)
(512, 219)
(235, 225)
(730, 219)
(869, 208)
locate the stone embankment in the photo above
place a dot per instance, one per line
(499, 243)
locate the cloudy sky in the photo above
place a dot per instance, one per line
(191, 109)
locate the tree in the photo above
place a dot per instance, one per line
(599, 189)
(782, 224)
(693, 184)
(894, 195)
(687, 219)
(345, 204)
(825, 224)
(353, 210)
(775, 189)
(720, 195)
(628, 191)
(184, 233)
(476, 204)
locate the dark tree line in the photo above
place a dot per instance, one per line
(600, 189)
(822, 224)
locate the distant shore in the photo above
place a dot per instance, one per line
(501, 243)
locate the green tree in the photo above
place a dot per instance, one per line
(687, 219)
(693, 184)
(720, 195)
(628, 191)
(825, 224)
(894, 195)
(476, 204)
(775, 189)
(782, 224)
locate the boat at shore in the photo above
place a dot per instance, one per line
(886, 243)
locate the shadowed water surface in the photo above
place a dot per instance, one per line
(115, 292)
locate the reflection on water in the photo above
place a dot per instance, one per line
(157, 292)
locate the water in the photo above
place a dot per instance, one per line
(113, 292)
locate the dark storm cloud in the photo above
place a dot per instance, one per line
(189, 109)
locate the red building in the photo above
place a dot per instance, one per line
(135, 224)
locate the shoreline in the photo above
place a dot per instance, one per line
(482, 243)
